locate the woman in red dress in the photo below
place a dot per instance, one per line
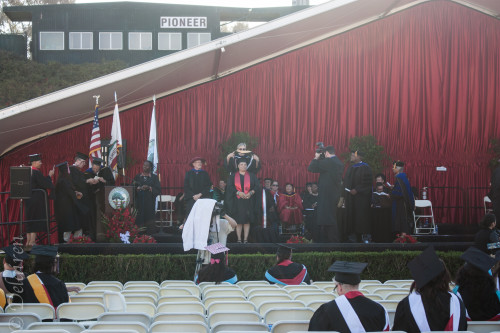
(290, 206)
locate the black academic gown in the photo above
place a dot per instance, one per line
(329, 183)
(196, 181)
(483, 237)
(35, 207)
(482, 303)
(308, 200)
(145, 200)
(78, 179)
(268, 233)
(404, 321)
(55, 287)
(329, 318)
(359, 177)
(67, 206)
(288, 273)
(244, 211)
(96, 195)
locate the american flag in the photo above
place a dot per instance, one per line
(95, 140)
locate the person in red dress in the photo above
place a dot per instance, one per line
(290, 206)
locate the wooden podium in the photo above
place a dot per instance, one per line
(108, 209)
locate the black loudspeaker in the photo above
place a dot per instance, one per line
(20, 182)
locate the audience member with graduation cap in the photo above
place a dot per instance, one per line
(476, 287)
(217, 271)
(36, 207)
(350, 311)
(43, 286)
(430, 306)
(67, 205)
(287, 272)
(12, 276)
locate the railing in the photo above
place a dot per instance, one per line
(5, 236)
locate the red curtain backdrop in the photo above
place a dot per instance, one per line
(425, 82)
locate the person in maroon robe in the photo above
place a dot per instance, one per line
(290, 206)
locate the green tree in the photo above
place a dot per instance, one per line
(375, 154)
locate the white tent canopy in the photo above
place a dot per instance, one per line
(136, 85)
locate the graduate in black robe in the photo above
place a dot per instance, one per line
(476, 286)
(266, 230)
(242, 200)
(36, 208)
(487, 234)
(286, 272)
(147, 188)
(358, 181)
(80, 184)
(310, 203)
(197, 184)
(67, 205)
(381, 215)
(53, 289)
(328, 317)
(329, 182)
(431, 286)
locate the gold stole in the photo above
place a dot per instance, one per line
(41, 293)
(3, 300)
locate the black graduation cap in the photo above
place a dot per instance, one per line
(35, 157)
(284, 251)
(347, 272)
(62, 166)
(478, 258)
(97, 161)
(44, 252)
(425, 267)
(81, 156)
(398, 164)
(241, 159)
(15, 252)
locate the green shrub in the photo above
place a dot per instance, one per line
(382, 266)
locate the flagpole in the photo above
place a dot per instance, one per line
(156, 129)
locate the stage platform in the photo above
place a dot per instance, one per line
(440, 243)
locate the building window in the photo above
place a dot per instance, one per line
(169, 41)
(195, 39)
(51, 41)
(140, 41)
(110, 41)
(81, 41)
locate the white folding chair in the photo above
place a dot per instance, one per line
(242, 284)
(426, 207)
(388, 304)
(181, 316)
(80, 311)
(487, 205)
(236, 316)
(22, 320)
(39, 331)
(71, 327)
(116, 283)
(114, 301)
(87, 299)
(151, 293)
(398, 283)
(373, 297)
(166, 283)
(266, 291)
(137, 298)
(285, 326)
(223, 292)
(312, 297)
(176, 291)
(165, 210)
(230, 306)
(170, 299)
(149, 283)
(126, 317)
(483, 326)
(239, 326)
(119, 326)
(45, 311)
(396, 296)
(209, 300)
(277, 314)
(102, 288)
(179, 326)
(259, 299)
(370, 288)
(384, 292)
(265, 306)
(181, 307)
(142, 307)
(133, 287)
